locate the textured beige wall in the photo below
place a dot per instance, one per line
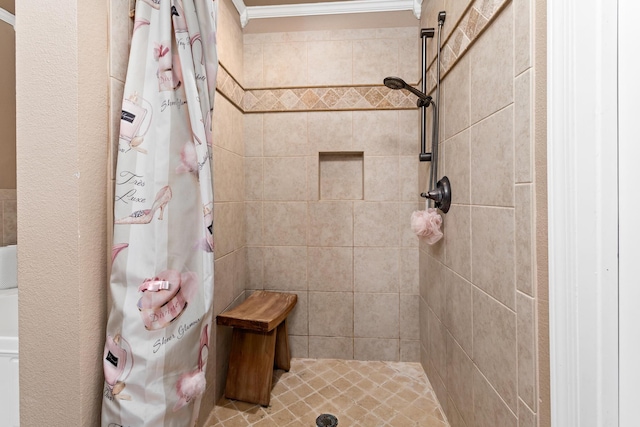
(61, 128)
(480, 285)
(7, 106)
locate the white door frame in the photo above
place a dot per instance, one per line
(583, 211)
(629, 182)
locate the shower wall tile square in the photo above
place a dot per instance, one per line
(435, 287)
(285, 268)
(285, 223)
(524, 238)
(329, 62)
(298, 319)
(287, 64)
(376, 132)
(495, 345)
(408, 238)
(376, 349)
(458, 240)
(330, 269)
(523, 137)
(330, 131)
(228, 231)
(120, 29)
(376, 269)
(376, 224)
(423, 320)
(457, 98)
(488, 407)
(253, 66)
(331, 347)
(376, 315)
(313, 178)
(410, 351)
(408, 177)
(526, 350)
(437, 346)
(253, 223)
(409, 271)
(285, 178)
(457, 164)
(491, 77)
(299, 346)
(459, 308)
(460, 370)
(330, 223)
(409, 328)
(455, 9)
(252, 132)
(526, 418)
(381, 178)
(255, 268)
(230, 45)
(331, 314)
(492, 160)
(522, 37)
(228, 126)
(253, 178)
(493, 258)
(341, 177)
(285, 134)
(453, 414)
(410, 58)
(228, 175)
(409, 132)
(373, 60)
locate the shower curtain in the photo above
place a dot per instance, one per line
(161, 286)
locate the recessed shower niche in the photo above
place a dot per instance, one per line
(341, 175)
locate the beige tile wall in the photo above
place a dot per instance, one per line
(323, 222)
(8, 217)
(229, 176)
(478, 293)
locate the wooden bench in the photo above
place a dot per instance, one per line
(259, 342)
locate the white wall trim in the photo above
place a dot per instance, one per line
(7, 17)
(583, 209)
(629, 151)
(325, 8)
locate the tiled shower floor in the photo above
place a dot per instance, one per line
(372, 394)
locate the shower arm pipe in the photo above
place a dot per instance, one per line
(425, 33)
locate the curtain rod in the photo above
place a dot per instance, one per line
(8, 17)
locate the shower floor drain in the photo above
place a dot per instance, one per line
(326, 420)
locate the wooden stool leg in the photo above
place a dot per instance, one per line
(282, 357)
(251, 366)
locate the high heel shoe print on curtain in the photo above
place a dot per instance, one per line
(146, 215)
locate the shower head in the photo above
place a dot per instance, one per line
(397, 83)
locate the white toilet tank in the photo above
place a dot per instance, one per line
(9, 394)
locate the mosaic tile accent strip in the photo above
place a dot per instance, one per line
(472, 24)
(327, 99)
(229, 87)
(312, 98)
(358, 393)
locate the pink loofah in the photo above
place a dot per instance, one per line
(426, 224)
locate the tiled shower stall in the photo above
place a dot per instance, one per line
(316, 173)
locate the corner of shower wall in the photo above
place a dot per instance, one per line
(477, 289)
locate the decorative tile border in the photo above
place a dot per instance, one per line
(326, 99)
(338, 98)
(474, 21)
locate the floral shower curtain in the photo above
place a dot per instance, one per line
(161, 287)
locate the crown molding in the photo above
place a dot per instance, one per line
(325, 8)
(8, 17)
